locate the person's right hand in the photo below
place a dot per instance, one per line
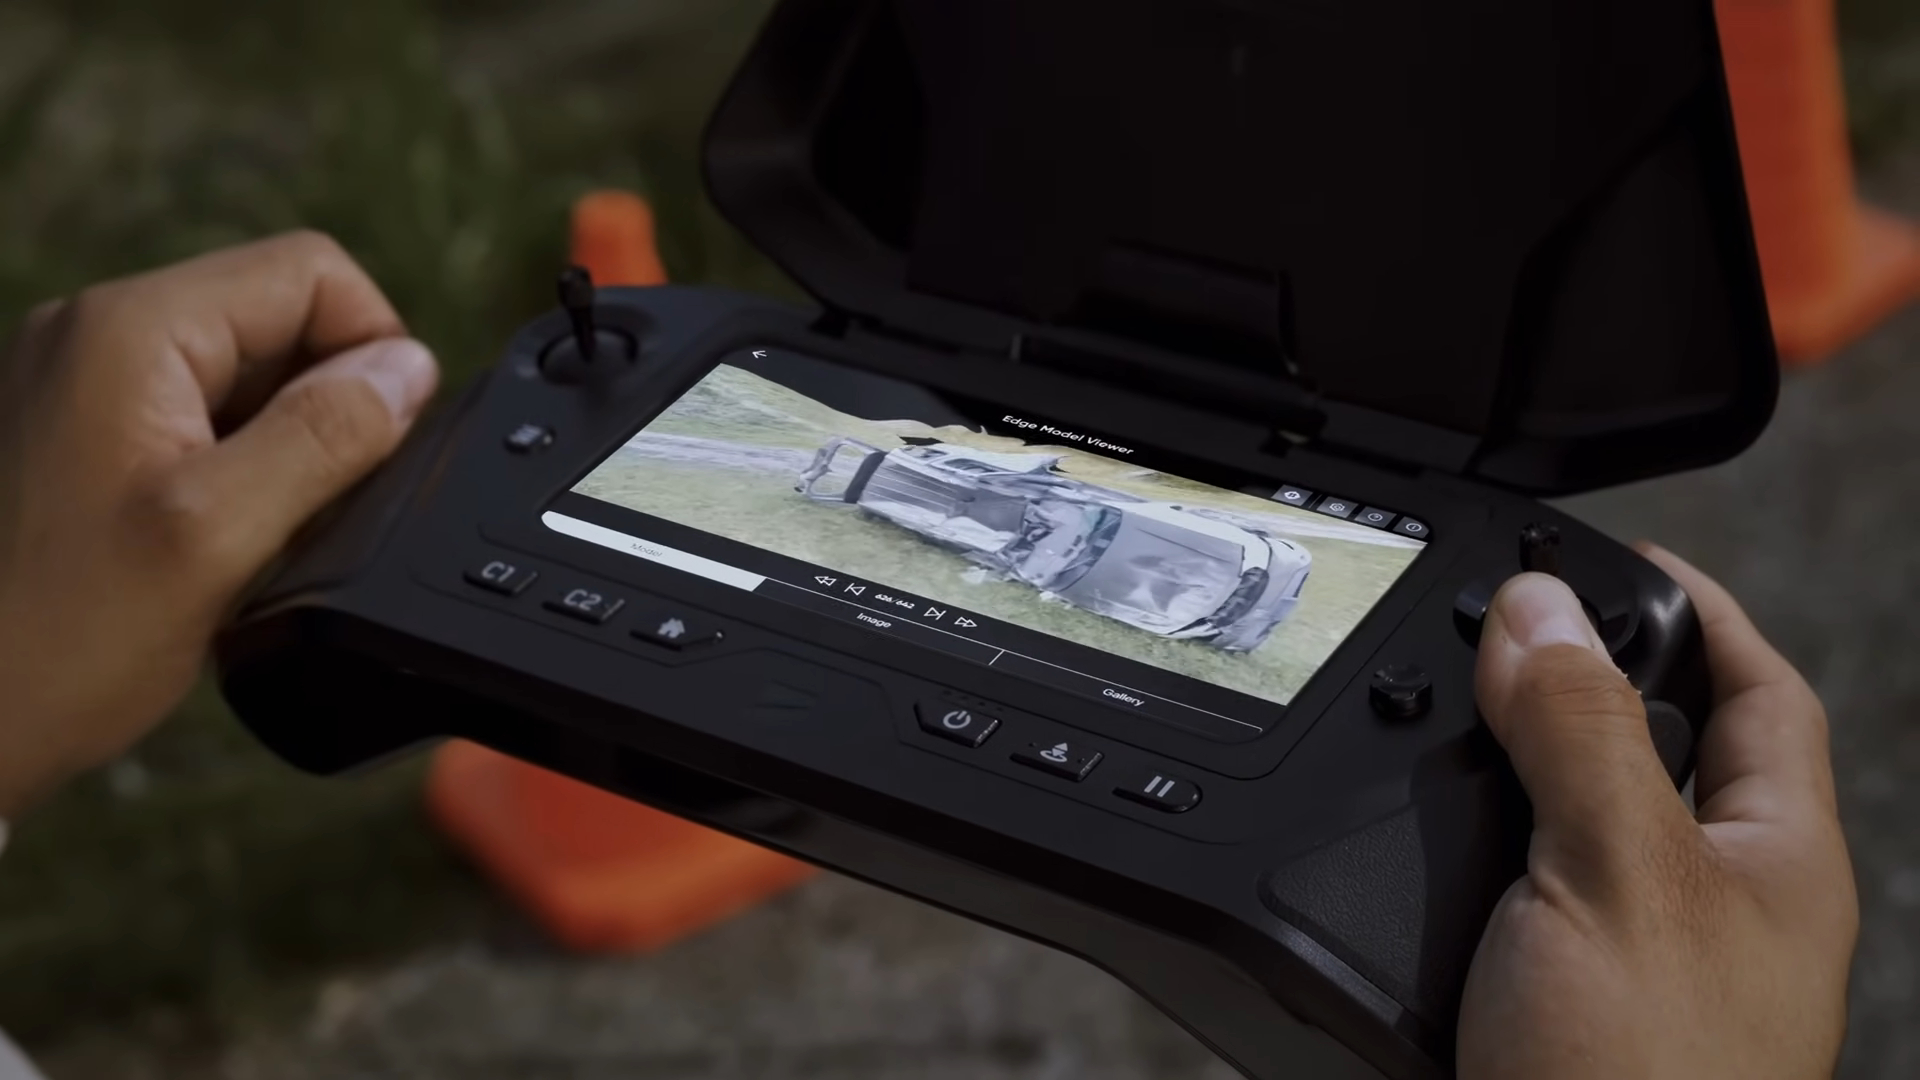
(1646, 942)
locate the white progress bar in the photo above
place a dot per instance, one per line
(652, 552)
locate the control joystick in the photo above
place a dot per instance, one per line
(1539, 554)
(1540, 550)
(576, 299)
(589, 350)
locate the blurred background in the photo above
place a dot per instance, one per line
(197, 910)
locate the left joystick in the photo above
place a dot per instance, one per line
(590, 350)
(576, 299)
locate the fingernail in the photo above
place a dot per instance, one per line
(400, 369)
(1538, 611)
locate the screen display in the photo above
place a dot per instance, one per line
(992, 534)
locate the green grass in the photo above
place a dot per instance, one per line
(1882, 64)
(212, 121)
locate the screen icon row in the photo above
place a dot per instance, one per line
(1350, 510)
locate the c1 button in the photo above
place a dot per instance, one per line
(500, 576)
(1401, 692)
(955, 724)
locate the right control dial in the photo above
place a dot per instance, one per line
(1608, 603)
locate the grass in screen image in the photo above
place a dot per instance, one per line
(726, 457)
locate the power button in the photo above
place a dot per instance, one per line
(957, 724)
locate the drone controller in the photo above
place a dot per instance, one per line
(1105, 558)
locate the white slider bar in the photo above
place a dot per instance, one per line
(652, 552)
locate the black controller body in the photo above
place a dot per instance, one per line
(1439, 260)
(1312, 915)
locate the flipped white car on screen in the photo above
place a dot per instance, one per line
(1151, 565)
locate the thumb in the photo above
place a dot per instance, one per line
(318, 436)
(1576, 732)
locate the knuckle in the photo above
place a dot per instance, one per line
(312, 245)
(46, 315)
(177, 524)
(106, 315)
(1815, 711)
(92, 306)
(1791, 706)
(1579, 682)
(39, 333)
(91, 322)
(342, 421)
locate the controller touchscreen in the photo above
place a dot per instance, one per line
(996, 536)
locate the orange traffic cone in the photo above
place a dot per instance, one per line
(1834, 267)
(601, 873)
(613, 238)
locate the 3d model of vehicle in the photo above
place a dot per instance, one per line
(1151, 565)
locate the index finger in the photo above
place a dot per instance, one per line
(1765, 752)
(246, 318)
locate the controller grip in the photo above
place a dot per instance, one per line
(345, 538)
(1405, 899)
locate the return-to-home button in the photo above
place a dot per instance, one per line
(1068, 760)
(956, 724)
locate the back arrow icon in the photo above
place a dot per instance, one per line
(760, 353)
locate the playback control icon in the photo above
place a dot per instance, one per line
(1165, 793)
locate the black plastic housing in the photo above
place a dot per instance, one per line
(1501, 238)
(1320, 905)
(1438, 259)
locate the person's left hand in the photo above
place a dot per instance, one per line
(161, 439)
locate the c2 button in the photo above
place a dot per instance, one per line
(957, 724)
(587, 605)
